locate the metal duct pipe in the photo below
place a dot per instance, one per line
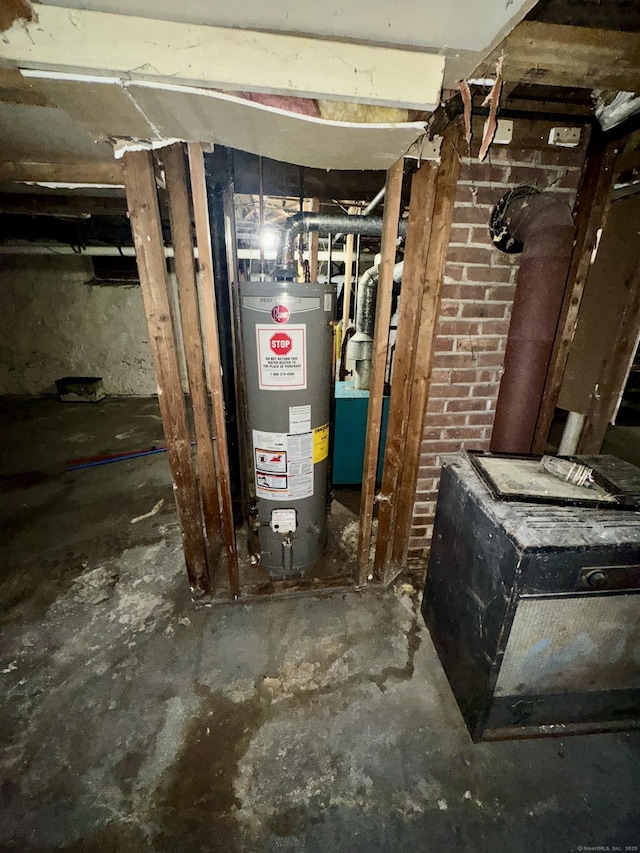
(542, 228)
(375, 201)
(370, 226)
(360, 346)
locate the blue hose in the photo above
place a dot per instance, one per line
(117, 459)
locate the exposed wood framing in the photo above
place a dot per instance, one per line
(614, 373)
(392, 201)
(580, 57)
(14, 11)
(346, 292)
(592, 206)
(78, 174)
(313, 207)
(415, 289)
(445, 192)
(39, 204)
(175, 172)
(144, 213)
(210, 327)
(16, 89)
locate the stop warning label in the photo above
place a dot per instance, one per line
(282, 357)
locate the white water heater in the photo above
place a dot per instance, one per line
(287, 346)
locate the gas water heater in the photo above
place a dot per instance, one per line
(287, 345)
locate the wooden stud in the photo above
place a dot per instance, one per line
(592, 206)
(380, 340)
(445, 192)
(142, 200)
(210, 326)
(415, 289)
(175, 172)
(348, 265)
(313, 207)
(614, 373)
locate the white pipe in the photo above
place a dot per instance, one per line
(126, 251)
(571, 435)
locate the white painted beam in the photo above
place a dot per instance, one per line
(146, 49)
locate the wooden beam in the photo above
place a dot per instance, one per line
(415, 290)
(142, 199)
(392, 199)
(592, 206)
(71, 174)
(212, 341)
(214, 56)
(581, 57)
(16, 89)
(614, 373)
(39, 204)
(445, 192)
(175, 172)
(15, 11)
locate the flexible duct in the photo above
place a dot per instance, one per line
(360, 346)
(370, 226)
(542, 228)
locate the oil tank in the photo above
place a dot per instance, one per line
(287, 345)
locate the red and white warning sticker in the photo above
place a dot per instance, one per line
(282, 357)
(283, 465)
(271, 461)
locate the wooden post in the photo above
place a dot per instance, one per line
(313, 207)
(592, 206)
(380, 340)
(210, 326)
(182, 237)
(346, 291)
(415, 289)
(614, 373)
(445, 192)
(142, 201)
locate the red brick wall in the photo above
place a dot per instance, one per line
(477, 295)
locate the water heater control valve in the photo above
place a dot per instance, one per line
(283, 521)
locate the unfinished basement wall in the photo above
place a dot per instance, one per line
(54, 323)
(477, 295)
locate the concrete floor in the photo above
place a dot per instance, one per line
(134, 720)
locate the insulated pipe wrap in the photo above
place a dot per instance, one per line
(544, 226)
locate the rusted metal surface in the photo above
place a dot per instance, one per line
(545, 227)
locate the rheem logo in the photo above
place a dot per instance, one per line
(280, 343)
(280, 314)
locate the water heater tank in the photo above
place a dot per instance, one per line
(287, 344)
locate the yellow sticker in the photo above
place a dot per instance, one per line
(320, 443)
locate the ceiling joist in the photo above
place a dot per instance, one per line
(557, 55)
(71, 175)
